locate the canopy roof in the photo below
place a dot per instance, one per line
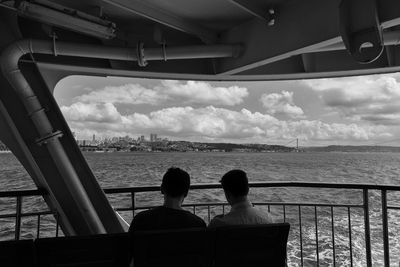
(275, 39)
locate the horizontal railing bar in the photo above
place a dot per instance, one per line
(9, 215)
(22, 193)
(264, 184)
(212, 204)
(40, 192)
(127, 209)
(308, 204)
(393, 207)
(28, 214)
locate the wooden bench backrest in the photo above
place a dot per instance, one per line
(258, 245)
(84, 251)
(180, 248)
(17, 253)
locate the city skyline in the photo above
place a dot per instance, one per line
(152, 137)
(339, 111)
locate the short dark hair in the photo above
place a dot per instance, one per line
(175, 182)
(235, 182)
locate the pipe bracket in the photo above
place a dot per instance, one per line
(43, 140)
(54, 36)
(164, 50)
(361, 31)
(140, 55)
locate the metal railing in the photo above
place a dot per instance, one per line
(303, 209)
(19, 196)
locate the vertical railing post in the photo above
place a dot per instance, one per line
(367, 228)
(38, 227)
(57, 222)
(18, 218)
(350, 239)
(316, 233)
(301, 238)
(133, 203)
(385, 228)
(333, 238)
(284, 213)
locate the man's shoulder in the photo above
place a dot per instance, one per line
(194, 218)
(217, 221)
(265, 217)
(148, 212)
(241, 217)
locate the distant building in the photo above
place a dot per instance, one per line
(127, 138)
(94, 138)
(142, 138)
(153, 137)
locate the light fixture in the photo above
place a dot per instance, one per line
(56, 15)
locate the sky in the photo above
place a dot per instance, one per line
(362, 110)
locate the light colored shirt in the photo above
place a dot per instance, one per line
(242, 213)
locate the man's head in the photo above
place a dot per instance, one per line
(175, 183)
(235, 185)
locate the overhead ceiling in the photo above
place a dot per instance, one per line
(279, 39)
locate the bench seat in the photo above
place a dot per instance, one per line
(251, 245)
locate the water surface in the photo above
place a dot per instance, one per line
(143, 169)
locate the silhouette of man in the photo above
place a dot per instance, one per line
(175, 187)
(236, 188)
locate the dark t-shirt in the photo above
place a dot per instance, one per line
(162, 218)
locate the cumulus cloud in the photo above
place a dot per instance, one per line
(125, 94)
(369, 98)
(211, 123)
(281, 104)
(92, 112)
(191, 92)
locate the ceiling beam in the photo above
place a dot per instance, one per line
(302, 27)
(249, 7)
(164, 17)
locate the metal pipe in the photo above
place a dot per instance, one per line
(127, 53)
(192, 52)
(9, 65)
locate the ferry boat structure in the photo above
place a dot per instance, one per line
(45, 41)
